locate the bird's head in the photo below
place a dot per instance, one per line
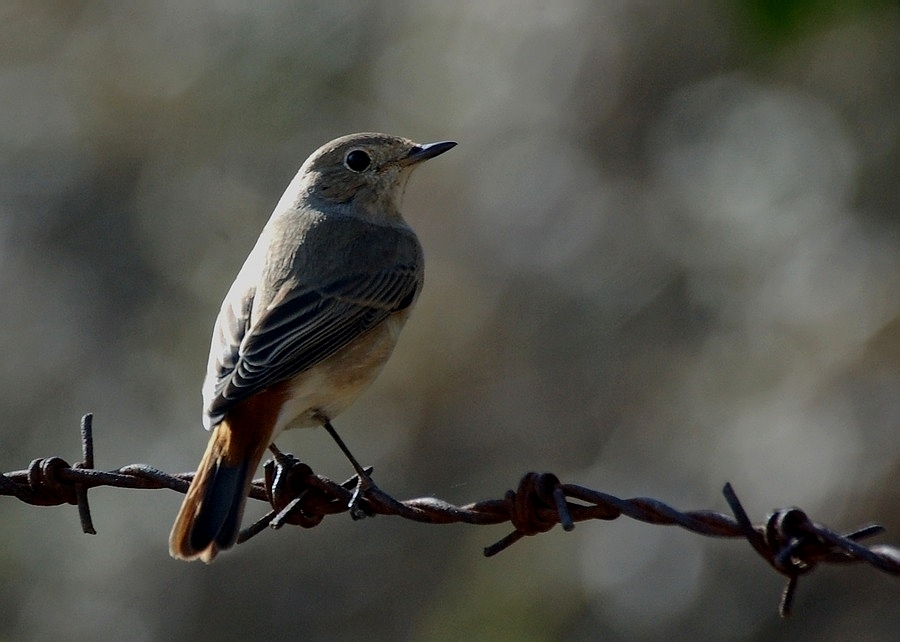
(365, 171)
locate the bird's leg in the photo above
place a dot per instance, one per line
(364, 481)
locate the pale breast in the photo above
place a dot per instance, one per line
(327, 389)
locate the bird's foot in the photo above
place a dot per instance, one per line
(361, 484)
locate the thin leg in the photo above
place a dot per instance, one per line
(360, 471)
(365, 482)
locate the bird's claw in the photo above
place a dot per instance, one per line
(357, 505)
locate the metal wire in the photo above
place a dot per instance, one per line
(787, 540)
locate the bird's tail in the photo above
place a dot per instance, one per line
(210, 516)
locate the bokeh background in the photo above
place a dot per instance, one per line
(665, 255)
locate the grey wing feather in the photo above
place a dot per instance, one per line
(302, 327)
(228, 334)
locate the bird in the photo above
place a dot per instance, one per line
(307, 325)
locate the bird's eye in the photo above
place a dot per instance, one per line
(357, 160)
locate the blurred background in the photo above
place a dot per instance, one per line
(665, 255)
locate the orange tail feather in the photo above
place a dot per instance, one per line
(210, 516)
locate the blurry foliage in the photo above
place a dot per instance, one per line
(783, 21)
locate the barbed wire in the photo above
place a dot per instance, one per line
(788, 540)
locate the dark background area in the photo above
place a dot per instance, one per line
(665, 255)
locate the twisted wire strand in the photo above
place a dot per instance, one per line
(788, 540)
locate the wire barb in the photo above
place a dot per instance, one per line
(87, 463)
(788, 540)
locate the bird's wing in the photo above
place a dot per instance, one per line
(302, 326)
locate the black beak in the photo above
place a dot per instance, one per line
(421, 153)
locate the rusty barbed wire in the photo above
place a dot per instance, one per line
(788, 540)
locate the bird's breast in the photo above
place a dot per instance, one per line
(328, 388)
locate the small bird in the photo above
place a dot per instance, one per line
(309, 322)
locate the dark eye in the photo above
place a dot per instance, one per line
(357, 160)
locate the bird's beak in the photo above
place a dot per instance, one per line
(421, 153)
